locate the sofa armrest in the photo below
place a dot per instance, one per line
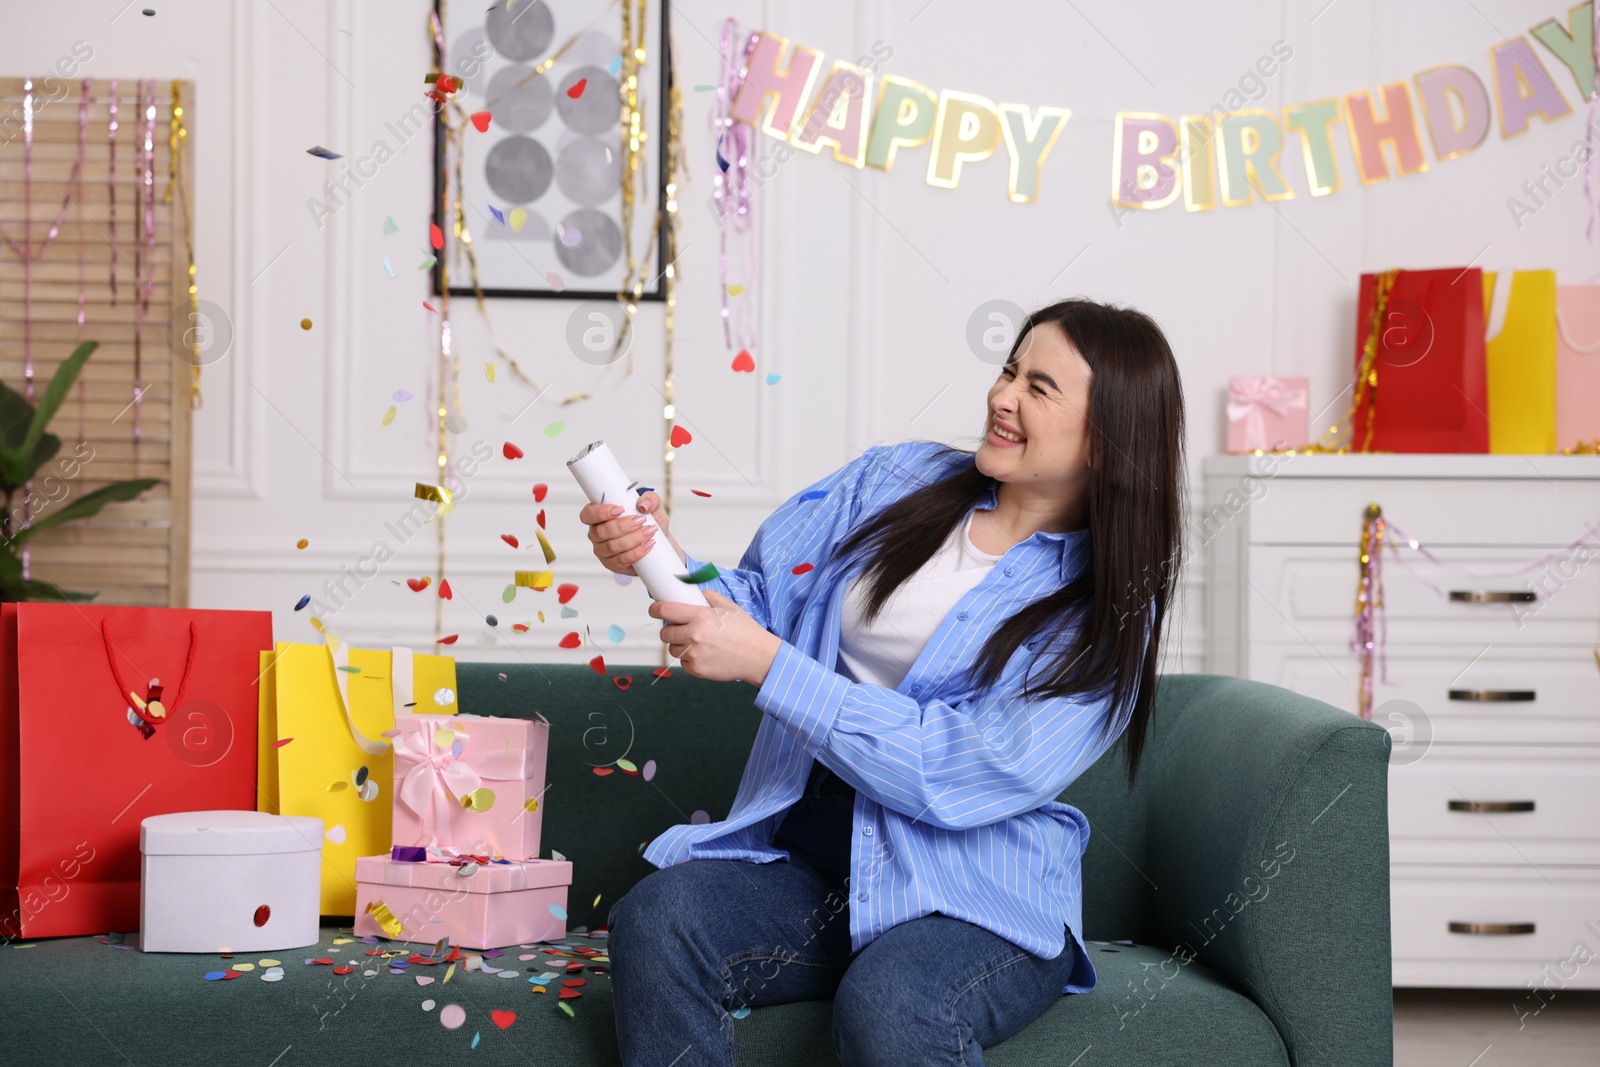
(1268, 841)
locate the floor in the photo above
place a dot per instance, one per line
(1496, 1028)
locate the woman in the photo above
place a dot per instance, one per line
(972, 632)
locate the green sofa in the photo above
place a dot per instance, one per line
(1249, 865)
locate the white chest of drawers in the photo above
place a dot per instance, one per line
(1492, 691)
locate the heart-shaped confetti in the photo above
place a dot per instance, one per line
(599, 665)
(503, 1019)
(417, 585)
(346, 969)
(480, 120)
(510, 539)
(572, 640)
(539, 518)
(697, 492)
(577, 88)
(662, 672)
(801, 569)
(435, 235)
(622, 682)
(565, 592)
(539, 491)
(336, 833)
(570, 994)
(680, 437)
(449, 640)
(744, 361)
(444, 590)
(511, 451)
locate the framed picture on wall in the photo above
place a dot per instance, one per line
(541, 187)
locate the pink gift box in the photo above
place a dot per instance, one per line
(1577, 364)
(496, 905)
(470, 783)
(1266, 413)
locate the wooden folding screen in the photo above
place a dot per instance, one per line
(95, 248)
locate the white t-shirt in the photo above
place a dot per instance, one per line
(882, 653)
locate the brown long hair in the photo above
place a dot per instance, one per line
(1113, 613)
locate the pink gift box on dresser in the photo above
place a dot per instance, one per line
(489, 905)
(1577, 364)
(469, 783)
(1266, 413)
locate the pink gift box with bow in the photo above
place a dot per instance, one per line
(476, 906)
(470, 783)
(1266, 413)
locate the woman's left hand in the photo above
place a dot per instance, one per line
(720, 643)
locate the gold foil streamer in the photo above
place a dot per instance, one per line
(177, 141)
(437, 493)
(535, 579)
(1583, 448)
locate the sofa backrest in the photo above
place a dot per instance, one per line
(699, 735)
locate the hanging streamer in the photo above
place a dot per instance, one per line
(1371, 628)
(731, 184)
(177, 142)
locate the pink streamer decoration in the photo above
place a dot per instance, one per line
(111, 189)
(1410, 542)
(1588, 133)
(732, 190)
(1372, 626)
(144, 147)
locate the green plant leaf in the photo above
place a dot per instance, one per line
(87, 505)
(55, 394)
(44, 452)
(15, 416)
(35, 590)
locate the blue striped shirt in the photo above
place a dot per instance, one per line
(955, 807)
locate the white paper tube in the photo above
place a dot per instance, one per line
(602, 480)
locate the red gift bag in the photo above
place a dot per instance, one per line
(109, 715)
(1432, 391)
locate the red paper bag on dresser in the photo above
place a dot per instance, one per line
(108, 715)
(1432, 392)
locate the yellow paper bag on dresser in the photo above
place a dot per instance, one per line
(324, 711)
(1520, 349)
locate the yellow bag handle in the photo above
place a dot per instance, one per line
(401, 681)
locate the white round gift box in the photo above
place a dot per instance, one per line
(229, 881)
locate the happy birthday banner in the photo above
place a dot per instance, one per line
(1229, 156)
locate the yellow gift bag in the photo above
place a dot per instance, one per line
(324, 712)
(1521, 358)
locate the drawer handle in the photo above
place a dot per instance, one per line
(1494, 695)
(1486, 806)
(1494, 596)
(1491, 929)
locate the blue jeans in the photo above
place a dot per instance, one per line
(691, 942)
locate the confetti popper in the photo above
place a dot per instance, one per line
(602, 480)
(385, 918)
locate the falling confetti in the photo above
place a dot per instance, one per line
(445, 592)
(401, 396)
(555, 428)
(435, 236)
(488, 372)
(801, 568)
(480, 120)
(614, 69)
(649, 771)
(535, 579)
(616, 633)
(388, 267)
(302, 543)
(705, 88)
(336, 832)
(774, 379)
(388, 416)
(569, 613)
(491, 620)
(572, 640)
(735, 290)
(697, 492)
(451, 1016)
(509, 593)
(389, 226)
(557, 910)
(519, 218)
(511, 451)
(511, 539)
(539, 491)
(570, 236)
(305, 324)
(427, 264)
(623, 682)
(544, 544)
(577, 88)
(557, 282)
(598, 665)
(417, 585)
(565, 592)
(450, 640)
(323, 153)
(744, 361)
(503, 1019)
(499, 216)
(699, 818)
(303, 602)
(815, 494)
(707, 573)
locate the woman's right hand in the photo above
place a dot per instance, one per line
(621, 538)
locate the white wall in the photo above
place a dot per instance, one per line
(867, 281)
